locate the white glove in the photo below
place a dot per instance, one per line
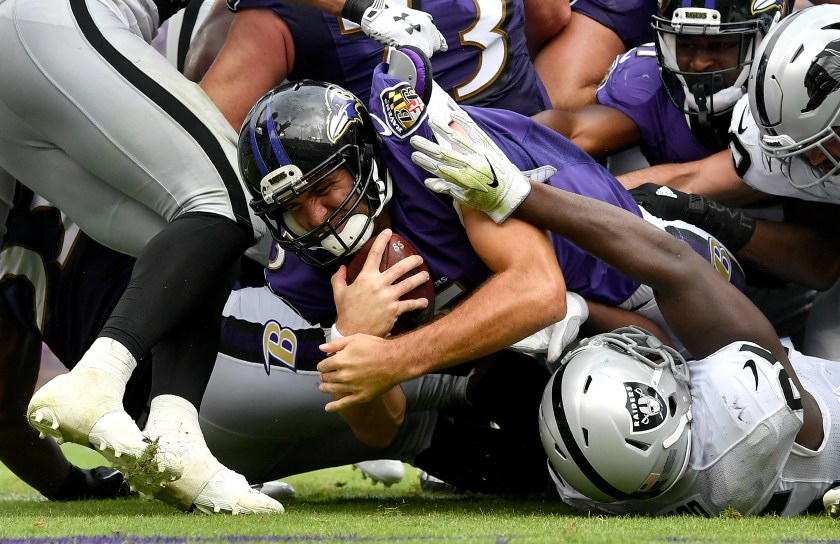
(474, 171)
(394, 25)
(554, 338)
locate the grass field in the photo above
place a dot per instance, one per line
(337, 505)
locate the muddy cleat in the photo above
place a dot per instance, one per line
(209, 487)
(831, 501)
(81, 407)
(206, 484)
(386, 471)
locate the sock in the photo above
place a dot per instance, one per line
(111, 357)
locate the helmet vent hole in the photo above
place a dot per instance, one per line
(798, 52)
(586, 437)
(636, 444)
(560, 452)
(586, 385)
(672, 405)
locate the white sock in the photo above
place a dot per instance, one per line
(170, 414)
(108, 355)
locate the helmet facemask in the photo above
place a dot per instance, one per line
(615, 418)
(712, 93)
(297, 138)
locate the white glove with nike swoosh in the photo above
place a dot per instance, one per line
(554, 338)
(474, 171)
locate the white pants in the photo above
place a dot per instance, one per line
(97, 122)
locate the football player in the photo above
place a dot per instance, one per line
(323, 201)
(141, 160)
(628, 425)
(487, 64)
(761, 162)
(674, 99)
(58, 285)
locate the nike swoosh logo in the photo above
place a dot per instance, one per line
(495, 179)
(741, 128)
(751, 365)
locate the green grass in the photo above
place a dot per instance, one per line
(337, 505)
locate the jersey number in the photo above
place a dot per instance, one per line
(487, 33)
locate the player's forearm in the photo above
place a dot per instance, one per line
(507, 308)
(683, 281)
(377, 422)
(677, 175)
(812, 258)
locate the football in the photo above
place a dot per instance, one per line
(398, 249)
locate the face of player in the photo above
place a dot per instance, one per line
(825, 156)
(709, 54)
(315, 207)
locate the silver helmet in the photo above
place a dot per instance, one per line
(615, 418)
(793, 94)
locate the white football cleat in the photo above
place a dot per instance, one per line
(85, 407)
(385, 471)
(831, 501)
(206, 484)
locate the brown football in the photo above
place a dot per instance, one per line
(398, 249)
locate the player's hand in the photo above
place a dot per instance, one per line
(474, 171)
(371, 304)
(361, 368)
(553, 339)
(392, 24)
(663, 202)
(96, 483)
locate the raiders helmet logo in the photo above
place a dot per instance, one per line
(645, 406)
(823, 76)
(344, 110)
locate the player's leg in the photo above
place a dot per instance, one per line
(156, 141)
(576, 61)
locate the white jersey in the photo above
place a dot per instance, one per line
(746, 414)
(767, 174)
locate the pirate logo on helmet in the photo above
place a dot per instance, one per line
(645, 406)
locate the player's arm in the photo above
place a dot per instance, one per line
(705, 311)
(371, 304)
(714, 177)
(544, 19)
(257, 55)
(599, 130)
(208, 40)
(525, 294)
(812, 258)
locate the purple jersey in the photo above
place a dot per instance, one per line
(630, 19)
(633, 86)
(430, 222)
(487, 63)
